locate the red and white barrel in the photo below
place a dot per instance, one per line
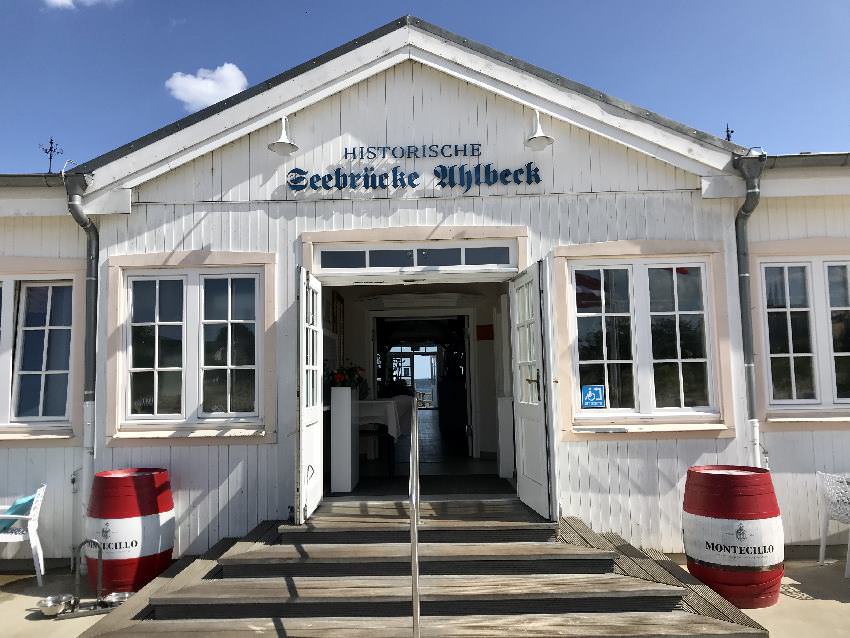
(131, 513)
(733, 534)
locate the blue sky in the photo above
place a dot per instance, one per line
(94, 74)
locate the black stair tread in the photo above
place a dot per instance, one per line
(257, 553)
(396, 589)
(569, 625)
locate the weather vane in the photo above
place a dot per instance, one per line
(50, 150)
(729, 132)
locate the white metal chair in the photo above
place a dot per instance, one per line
(24, 528)
(834, 500)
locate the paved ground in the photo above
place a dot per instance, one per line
(812, 604)
(19, 616)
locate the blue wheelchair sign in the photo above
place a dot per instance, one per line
(592, 396)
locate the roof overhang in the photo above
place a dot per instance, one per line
(405, 39)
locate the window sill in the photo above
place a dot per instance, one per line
(789, 420)
(706, 426)
(207, 435)
(36, 432)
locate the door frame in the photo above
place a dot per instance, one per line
(435, 312)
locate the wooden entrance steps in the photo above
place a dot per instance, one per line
(488, 565)
(675, 624)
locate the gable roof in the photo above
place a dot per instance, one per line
(408, 38)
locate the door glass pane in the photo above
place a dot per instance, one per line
(243, 299)
(60, 306)
(215, 298)
(588, 291)
(661, 290)
(55, 398)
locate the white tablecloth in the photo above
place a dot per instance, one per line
(395, 413)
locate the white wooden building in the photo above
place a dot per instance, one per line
(606, 258)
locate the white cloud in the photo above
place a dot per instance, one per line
(72, 4)
(206, 86)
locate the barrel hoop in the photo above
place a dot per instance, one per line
(734, 568)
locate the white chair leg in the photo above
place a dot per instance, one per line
(824, 532)
(37, 560)
(847, 564)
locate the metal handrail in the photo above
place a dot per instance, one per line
(414, 518)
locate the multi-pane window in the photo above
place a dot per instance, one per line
(642, 333)
(528, 373)
(789, 335)
(229, 358)
(677, 320)
(156, 346)
(35, 351)
(806, 305)
(605, 333)
(191, 346)
(42, 351)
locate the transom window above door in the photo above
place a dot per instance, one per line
(416, 256)
(642, 338)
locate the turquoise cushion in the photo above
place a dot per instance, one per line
(21, 507)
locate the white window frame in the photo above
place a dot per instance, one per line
(644, 391)
(821, 334)
(192, 416)
(10, 313)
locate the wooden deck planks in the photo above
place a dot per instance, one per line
(392, 589)
(608, 625)
(257, 553)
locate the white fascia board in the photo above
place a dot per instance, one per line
(570, 106)
(795, 182)
(16, 201)
(108, 201)
(262, 109)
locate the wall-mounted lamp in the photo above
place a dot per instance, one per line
(538, 140)
(283, 145)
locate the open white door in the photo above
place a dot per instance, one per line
(310, 405)
(529, 391)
